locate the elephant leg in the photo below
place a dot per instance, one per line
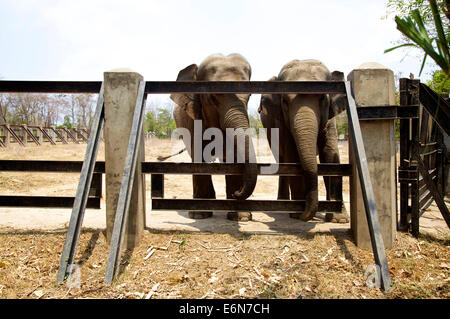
(329, 153)
(233, 183)
(202, 184)
(203, 188)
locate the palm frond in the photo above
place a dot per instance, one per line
(414, 28)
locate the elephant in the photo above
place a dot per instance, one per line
(307, 125)
(221, 111)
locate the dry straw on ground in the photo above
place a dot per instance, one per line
(182, 264)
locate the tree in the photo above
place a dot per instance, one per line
(414, 27)
(166, 123)
(255, 122)
(440, 82)
(4, 105)
(150, 122)
(67, 123)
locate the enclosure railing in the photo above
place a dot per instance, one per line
(255, 87)
(423, 163)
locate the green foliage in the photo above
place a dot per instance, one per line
(342, 128)
(414, 28)
(150, 123)
(255, 123)
(404, 7)
(440, 82)
(67, 123)
(161, 122)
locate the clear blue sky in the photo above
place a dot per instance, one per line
(79, 40)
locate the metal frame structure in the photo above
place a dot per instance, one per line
(153, 87)
(27, 132)
(423, 159)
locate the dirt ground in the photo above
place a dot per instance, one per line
(272, 256)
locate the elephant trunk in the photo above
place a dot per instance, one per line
(304, 123)
(235, 117)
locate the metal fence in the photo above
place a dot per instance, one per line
(423, 162)
(90, 168)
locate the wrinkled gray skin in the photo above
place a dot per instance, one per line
(220, 111)
(306, 125)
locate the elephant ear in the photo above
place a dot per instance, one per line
(338, 102)
(188, 101)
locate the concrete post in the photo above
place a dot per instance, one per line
(120, 100)
(24, 134)
(373, 85)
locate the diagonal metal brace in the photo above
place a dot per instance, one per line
(432, 187)
(123, 203)
(79, 206)
(367, 191)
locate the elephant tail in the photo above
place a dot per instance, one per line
(163, 158)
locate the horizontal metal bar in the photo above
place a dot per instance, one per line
(386, 112)
(257, 87)
(434, 144)
(170, 168)
(237, 169)
(47, 166)
(406, 175)
(227, 205)
(430, 152)
(44, 201)
(50, 86)
(165, 87)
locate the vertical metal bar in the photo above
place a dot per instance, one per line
(367, 191)
(79, 206)
(157, 185)
(414, 147)
(415, 206)
(123, 203)
(96, 185)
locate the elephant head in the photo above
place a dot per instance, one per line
(305, 117)
(223, 110)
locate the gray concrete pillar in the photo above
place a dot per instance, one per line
(373, 85)
(24, 133)
(120, 99)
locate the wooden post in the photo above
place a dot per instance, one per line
(24, 135)
(7, 135)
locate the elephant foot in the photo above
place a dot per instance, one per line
(340, 218)
(303, 216)
(242, 217)
(200, 215)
